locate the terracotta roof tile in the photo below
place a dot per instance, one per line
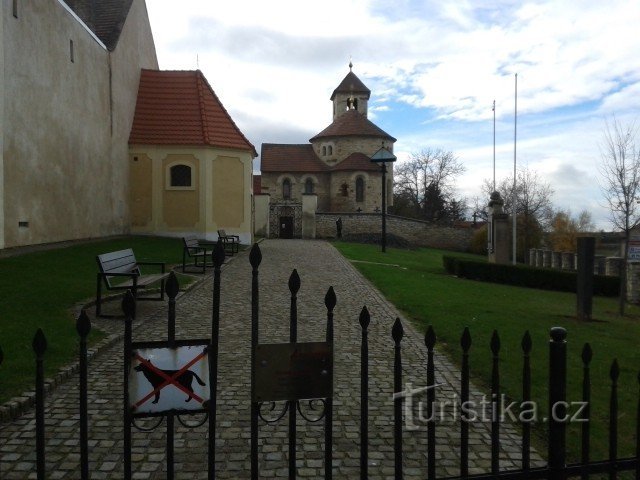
(181, 108)
(350, 84)
(356, 161)
(105, 18)
(276, 157)
(352, 122)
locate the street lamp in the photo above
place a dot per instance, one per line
(381, 157)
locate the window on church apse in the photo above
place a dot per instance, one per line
(286, 189)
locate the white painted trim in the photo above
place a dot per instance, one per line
(84, 25)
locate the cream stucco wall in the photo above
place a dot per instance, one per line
(220, 197)
(261, 215)
(66, 123)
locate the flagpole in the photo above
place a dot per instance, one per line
(515, 133)
(494, 145)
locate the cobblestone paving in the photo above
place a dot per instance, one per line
(319, 266)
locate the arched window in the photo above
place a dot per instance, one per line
(324, 150)
(329, 150)
(308, 186)
(359, 189)
(180, 176)
(286, 189)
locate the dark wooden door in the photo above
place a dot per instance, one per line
(286, 227)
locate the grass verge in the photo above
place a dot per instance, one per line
(39, 289)
(428, 296)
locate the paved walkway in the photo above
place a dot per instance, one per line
(319, 266)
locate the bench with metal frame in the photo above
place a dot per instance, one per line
(197, 250)
(232, 241)
(122, 265)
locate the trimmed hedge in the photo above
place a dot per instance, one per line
(524, 276)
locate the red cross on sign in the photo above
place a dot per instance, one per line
(166, 379)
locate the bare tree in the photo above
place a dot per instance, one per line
(620, 184)
(425, 184)
(533, 205)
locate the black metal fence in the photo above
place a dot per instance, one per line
(556, 468)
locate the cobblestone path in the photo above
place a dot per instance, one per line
(319, 266)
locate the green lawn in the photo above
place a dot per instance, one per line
(429, 296)
(38, 290)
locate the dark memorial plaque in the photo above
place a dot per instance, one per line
(293, 371)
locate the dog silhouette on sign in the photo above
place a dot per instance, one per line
(185, 378)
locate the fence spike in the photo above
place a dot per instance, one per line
(465, 340)
(129, 305)
(83, 324)
(172, 287)
(614, 372)
(255, 256)
(495, 342)
(365, 318)
(294, 282)
(330, 299)
(218, 254)
(587, 354)
(39, 343)
(526, 343)
(397, 332)
(430, 337)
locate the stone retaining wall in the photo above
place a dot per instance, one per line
(417, 232)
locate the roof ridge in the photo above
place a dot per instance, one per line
(224, 110)
(203, 113)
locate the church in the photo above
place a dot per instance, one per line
(96, 141)
(333, 173)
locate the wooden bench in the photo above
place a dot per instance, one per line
(198, 251)
(232, 241)
(121, 271)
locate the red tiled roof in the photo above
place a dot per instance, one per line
(257, 184)
(351, 84)
(352, 122)
(356, 161)
(276, 157)
(302, 158)
(181, 108)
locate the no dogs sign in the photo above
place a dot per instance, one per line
(163, 379)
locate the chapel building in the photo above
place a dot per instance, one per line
(331, 173)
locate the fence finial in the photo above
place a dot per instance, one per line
(218, 254)
(294, 282)
(172, 287)
(430, 338)
(365, 317)
(495, 342)
(397, 332)
(526, 343)
(587, 354)
(465, 340)
(614, 372)
(255, 256)
(39, 343)
(330, 299)
(129, 305)
(83, 324)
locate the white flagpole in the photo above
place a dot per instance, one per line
(515, 132)
(494, 145)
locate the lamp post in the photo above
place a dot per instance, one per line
(381, 157)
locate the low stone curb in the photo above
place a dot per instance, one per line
(19, 405)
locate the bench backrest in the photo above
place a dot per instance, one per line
(222, 233)
(122, 261)
(190, 241)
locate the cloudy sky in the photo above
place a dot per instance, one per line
(434, 68)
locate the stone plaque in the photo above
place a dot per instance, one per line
(293, 371)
